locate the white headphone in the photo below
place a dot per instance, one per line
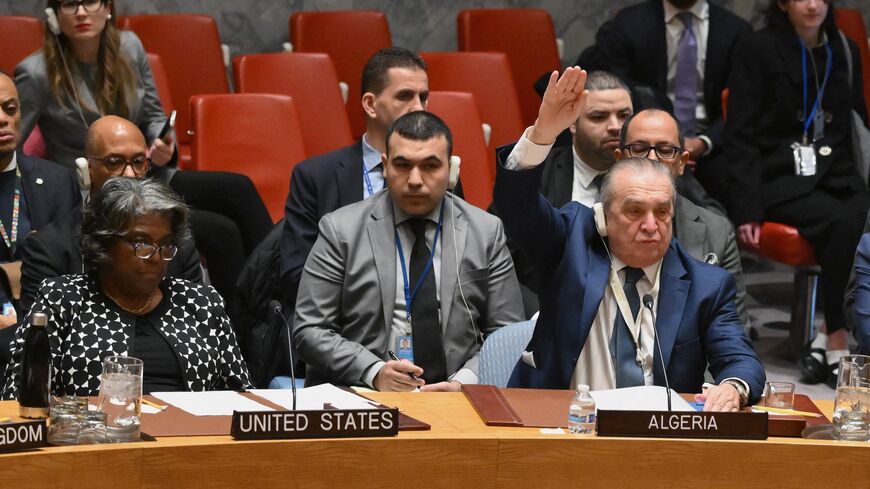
(600, 219)
(83, 173)
(453, 179)
(51, 19)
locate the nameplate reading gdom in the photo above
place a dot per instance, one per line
(330, 423)
(23, 436)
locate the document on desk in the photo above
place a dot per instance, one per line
(212, 403)
(641, 398)
(313, 398)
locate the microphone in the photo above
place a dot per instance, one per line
(648, 303)
(278, 310)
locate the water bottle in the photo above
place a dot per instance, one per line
(33, 395)
(581, 412)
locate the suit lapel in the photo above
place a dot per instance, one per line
(449, 259)
(349, 175)
(690, 230)
(717, 48)
(658, 45)
(381, 231)
(673, 293)
(563, 177)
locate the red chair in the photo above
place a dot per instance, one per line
(459, 112)
(162, 83)
(350, 37)
(257, 135)
(851, 22)
(488, 77)
(311, 80)
(20, 36)
(189, 47)
(783, 244)
(525, 35)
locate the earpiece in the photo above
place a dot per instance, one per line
(51, 19)
(109, 17)
(453, 179)
(83, 173)
(600, 220)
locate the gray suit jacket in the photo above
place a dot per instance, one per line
(702, 231)
(344, 309)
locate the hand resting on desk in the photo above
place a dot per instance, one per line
(393, 376)
(722, 398)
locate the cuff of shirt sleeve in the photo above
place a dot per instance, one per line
(370, 373)
(708, 142)
(465, 376)
(526, 155)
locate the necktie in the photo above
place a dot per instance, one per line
(622, 349)
(686, 82)
(425, 326)
(596, 182)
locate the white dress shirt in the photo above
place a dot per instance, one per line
(583, 191)
(374, 169)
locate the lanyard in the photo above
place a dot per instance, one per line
(625, 309)
(808, 119)
(11, 238)
(368, 180)
(409, 296)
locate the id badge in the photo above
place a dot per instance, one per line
(8, 309)
(804, 159)
(405, 348)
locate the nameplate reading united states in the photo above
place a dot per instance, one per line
(330, 423)
(674, 424)
(23, 436)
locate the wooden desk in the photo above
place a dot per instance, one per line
(459, 451)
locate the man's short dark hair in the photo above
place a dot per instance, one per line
(420, 126)
(623, 131)
(599, 80)
(376, 71)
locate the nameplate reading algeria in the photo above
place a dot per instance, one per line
(673, 424)
(23, 436)
(330, 423)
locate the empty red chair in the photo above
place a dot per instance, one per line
(459, 111)
(189, 47)
(257, 135)
(20, 36)
(311, 80)
(525, 35)
(162, 83)
(350, 37)
(488, 77)
(851, 22)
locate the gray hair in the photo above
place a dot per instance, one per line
(113, 209)
(638, 166)
(604, 80)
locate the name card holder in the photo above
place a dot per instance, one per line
(674, 424)
(25, 435)
(327, 423)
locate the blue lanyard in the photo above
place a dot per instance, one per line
(368, 180)
(409, 296)
(809, 119)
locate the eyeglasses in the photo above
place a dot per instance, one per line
(116, 164)
(70, 7)
(146, 250)
(663, 151)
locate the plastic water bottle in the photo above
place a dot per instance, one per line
(35, 370)
(581, 412)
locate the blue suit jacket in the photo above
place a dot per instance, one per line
(696, 317)
(861, 296)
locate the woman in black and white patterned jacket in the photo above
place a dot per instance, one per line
(124, 305)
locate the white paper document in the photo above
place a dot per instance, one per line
(313, 398)
(213, 403)
(641, 398)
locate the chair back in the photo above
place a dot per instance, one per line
(851, 22)
(20, 37)
(501, 351)
(162, 83)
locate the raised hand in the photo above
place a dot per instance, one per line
(563, 100)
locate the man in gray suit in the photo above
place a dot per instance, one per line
(413, 270)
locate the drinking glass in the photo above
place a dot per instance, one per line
(92, 428)
(64, 424)
(779, 395)
(121, 398)
(852, 405)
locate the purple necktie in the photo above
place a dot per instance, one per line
(686, 83)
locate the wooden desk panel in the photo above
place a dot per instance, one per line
(459, 451)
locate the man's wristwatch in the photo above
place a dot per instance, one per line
(742, 391)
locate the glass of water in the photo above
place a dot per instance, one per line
(121, 397)
(852, 405)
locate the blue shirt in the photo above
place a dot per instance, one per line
(372, 165)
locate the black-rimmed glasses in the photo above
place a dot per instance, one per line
(663, 151)
(116, 164)
(70, 7)
(147, 250)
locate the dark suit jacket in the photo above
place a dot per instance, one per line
(633, 45)
(696, 316)
(318, 186)
(54, 251)
(858, 297)
(766, 95)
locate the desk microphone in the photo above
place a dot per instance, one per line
(278, 310)
(648, 303)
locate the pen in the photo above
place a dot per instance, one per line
(153, 404)
(785, 411)
(394, 357)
